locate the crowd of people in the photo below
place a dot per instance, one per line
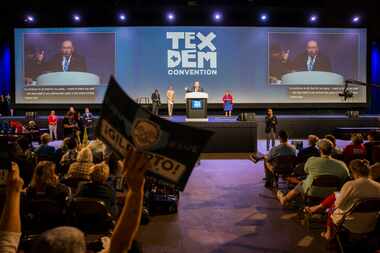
(355, 171)
(48, 174)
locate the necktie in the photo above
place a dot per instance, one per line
(65, 64)
(310, 63)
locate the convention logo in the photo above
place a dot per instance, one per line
(191, 53)
(145, 133)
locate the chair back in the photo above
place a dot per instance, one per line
(367, 205)
(91, 215)
(284, 165)
(328, 181)
(73, 182)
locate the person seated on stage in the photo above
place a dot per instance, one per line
(44, 151)
(70, 155)
(355, 150)
(373, 140)
(70, 125)
(339, 203)
(337, 151)
(69, 239)
(45, 185)
(227, 103)
(283, 149)
(310, 151)
(81, 168)
(314, 167)
(98, 188)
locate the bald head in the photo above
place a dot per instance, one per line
(67, 48)
(312, 48)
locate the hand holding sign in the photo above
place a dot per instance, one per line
(135, 166)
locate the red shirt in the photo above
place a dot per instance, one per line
(227, 97)
(52, 120)
(352, 151)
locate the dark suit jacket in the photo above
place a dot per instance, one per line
(192, 89)
(322, 63)
(77, 63)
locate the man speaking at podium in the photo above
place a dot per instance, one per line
(196, 87)
(311, 59)
(67, 60)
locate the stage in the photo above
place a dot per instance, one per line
(232, 136)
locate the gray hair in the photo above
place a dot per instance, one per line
(61, 240)
(326, 146)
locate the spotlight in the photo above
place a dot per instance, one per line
(355, 19)
(170, 16)
(76, 17)
(122, 17)
(217, 16)
(29, 19)
(313, 18)
(263, 17)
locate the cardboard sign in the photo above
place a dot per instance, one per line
(173, 148)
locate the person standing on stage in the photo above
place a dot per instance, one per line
(170, 95)
(156, 102)
(52, 122)
(270, 127)
(70, 125)
(88, 122)
(197, 87)
(228, 103)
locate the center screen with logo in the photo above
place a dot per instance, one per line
(256, 65)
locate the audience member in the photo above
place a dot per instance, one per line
(355, 150)
(81, 168)
(70, 155)
(316, 166)
(337, 151)
(310, 151)
(283, 149)
(98, 188)
(340, 203)
(373, 140)
(374, 172)
(44, 151)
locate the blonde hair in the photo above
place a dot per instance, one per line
(100, 173)
(45, 138)
(44, 174)
(85, 155)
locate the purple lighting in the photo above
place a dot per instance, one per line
(76, 17)
(264, 17)
(29, 19)
(313, 18)
(356, 19)
(122, 17)
(217, 16)
(170, 16)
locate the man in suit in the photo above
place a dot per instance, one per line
(67, 60)
(311, 59)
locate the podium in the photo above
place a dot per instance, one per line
(70, 78)
(196, 106)
(312, 78)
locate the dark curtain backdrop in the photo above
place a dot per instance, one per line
(373, 108)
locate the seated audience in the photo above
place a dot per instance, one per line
(65, 239)
(316, 166)
(98, 149)
(310, 151)
(45, 184)
(355, 150)
(81, 168)
(374, 172)
(373, 140)
(70, 155)
(44, 151)
(339, 203)
(337, 151)
(98, 188)
(283, 149)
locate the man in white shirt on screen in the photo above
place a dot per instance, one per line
(67, 60)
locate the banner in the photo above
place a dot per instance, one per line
(173, 148)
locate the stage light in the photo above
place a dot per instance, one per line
(170, 16)
(29, 19)
(263, 17)
(355, 19)
(122, 17)
(313, 18)
(217, 16)
(76, 18)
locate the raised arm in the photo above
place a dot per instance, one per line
(128, 223)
